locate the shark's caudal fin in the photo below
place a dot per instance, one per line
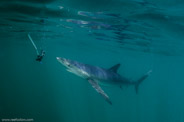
(140, 80)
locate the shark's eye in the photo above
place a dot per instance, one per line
(68, 65)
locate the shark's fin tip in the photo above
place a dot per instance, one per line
(115, 67)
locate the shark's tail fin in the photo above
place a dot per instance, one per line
(140, 80)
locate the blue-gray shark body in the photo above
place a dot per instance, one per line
(97, 75)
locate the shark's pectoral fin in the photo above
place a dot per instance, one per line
(99, 90)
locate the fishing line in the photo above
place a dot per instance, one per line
(152, 56)
(43, 30)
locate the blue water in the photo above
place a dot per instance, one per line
(140, 35)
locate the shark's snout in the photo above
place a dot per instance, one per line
(60, 59)
(63, 61)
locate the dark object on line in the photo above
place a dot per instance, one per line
(40, 56)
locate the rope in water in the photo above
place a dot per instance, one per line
(33, 44)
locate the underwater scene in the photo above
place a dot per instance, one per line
(92, 60)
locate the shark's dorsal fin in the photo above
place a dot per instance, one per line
(115, 68)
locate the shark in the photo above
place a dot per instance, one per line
(96, 75)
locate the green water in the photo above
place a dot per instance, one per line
(140, 35)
